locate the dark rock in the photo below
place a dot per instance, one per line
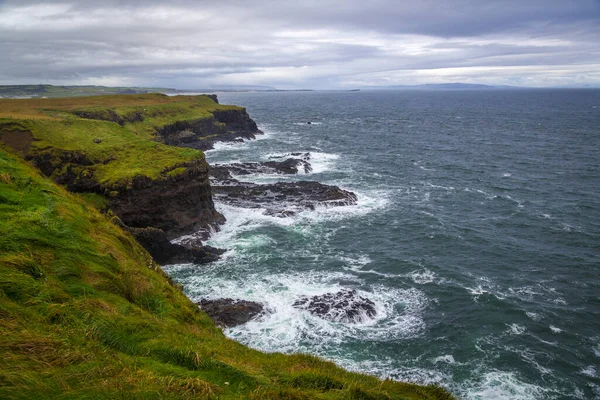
(344, 306)
(308, 123)
(279, 199)
(233, 125)
(213, 97)
(164, 252)
(287, 167)
(229, 312)
(97, 140)
(178, 205)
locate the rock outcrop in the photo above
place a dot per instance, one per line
(229, 312)
(280, 199)
(224, 126)
(345, 306)
(289, 166)
(178, 205)
(164, 252)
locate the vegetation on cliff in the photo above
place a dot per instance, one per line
(115, 136)
(111, 149)
(86, 313)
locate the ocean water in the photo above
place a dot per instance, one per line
(476, 234)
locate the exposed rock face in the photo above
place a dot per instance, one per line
(344, 306)
(164, 252)
(178, 205)
(288, 166)
(225, 126)
(229, 312)
(111, 115)
(68, 168)
(280, 199)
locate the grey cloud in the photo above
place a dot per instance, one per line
(191, 43)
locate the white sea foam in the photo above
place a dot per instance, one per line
(554, 329)
(516, 329)
(448, 188)
(533, 316)
(559, 300)
(500, 385)
(590, 371)
(448, 358)
(286, 328)
(321, 162)
(356, 263)
(423, 276)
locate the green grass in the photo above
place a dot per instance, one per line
(85, 313)
(116, 133)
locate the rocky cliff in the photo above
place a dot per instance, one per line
(115, 149)
(202, 134)
(179, 204)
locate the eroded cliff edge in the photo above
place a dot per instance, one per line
(114, 150)
(79, 294)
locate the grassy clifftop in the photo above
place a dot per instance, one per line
(85, 313)
(117, 134)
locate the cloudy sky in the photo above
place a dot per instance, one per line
(315, 44)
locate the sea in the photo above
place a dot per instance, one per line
(476, 235)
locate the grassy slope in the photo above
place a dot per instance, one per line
(124, 151)
(84, 313)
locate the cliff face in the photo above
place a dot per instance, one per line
(86, 313)
(110, 146)
(178, 205)
(224, 126)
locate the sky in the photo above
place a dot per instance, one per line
(311, 44)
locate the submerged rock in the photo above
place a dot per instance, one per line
(229, 312)
(344, 306)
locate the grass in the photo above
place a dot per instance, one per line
(116, 133)
(86, 313)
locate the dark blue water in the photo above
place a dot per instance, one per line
(477, 234)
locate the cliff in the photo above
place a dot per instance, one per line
(113, 147)
(85, 311)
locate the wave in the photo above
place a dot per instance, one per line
(501, 385)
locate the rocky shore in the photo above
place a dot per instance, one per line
(177, 201)
(79, 292)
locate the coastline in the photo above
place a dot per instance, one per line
(73, 279)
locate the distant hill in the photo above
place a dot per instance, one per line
(51, 91)
(40, 91)
(440, 86)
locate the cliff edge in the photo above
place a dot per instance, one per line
(115, 148)
(85, 311)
